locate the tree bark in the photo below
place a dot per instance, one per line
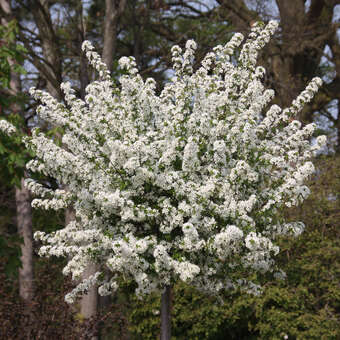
(113, 10)
(24, 222)
(22, 198)
(89, 302)
(83, 72)
(166, 314)
(49, 45)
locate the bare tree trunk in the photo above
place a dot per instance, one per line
(83, 71)
(166, 314)
(337, 126)
(89, 302)
(88, 306)
(23, 200)
(49, 45)
(69, 214)
(24, 222)
(113, 10)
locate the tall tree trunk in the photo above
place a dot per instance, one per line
(83, 71)
(23, 200)
(337, 126)
(49, 45)
(89, 302)
(113, 10)
(24, 223)
(166, 314)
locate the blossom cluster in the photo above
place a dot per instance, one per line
(6, 127)
(181, 185)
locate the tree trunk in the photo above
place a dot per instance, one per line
(49, 45)
(89, 302)
(83, 72)
(24, 222)
(88, 306)
(166, 314)
(112, 13)
(337, 126)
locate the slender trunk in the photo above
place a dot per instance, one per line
(337, 126)
(49, 44)
(113, 10)
(89, 302)
(83, 72)
(166, 314)
(69, 213)
(24, 222)
(26, 271)
(88, 305)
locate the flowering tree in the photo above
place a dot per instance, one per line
(184, 185)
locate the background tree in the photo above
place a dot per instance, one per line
(307, 29)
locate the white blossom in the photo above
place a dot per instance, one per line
(6, 127)
(181, 185)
